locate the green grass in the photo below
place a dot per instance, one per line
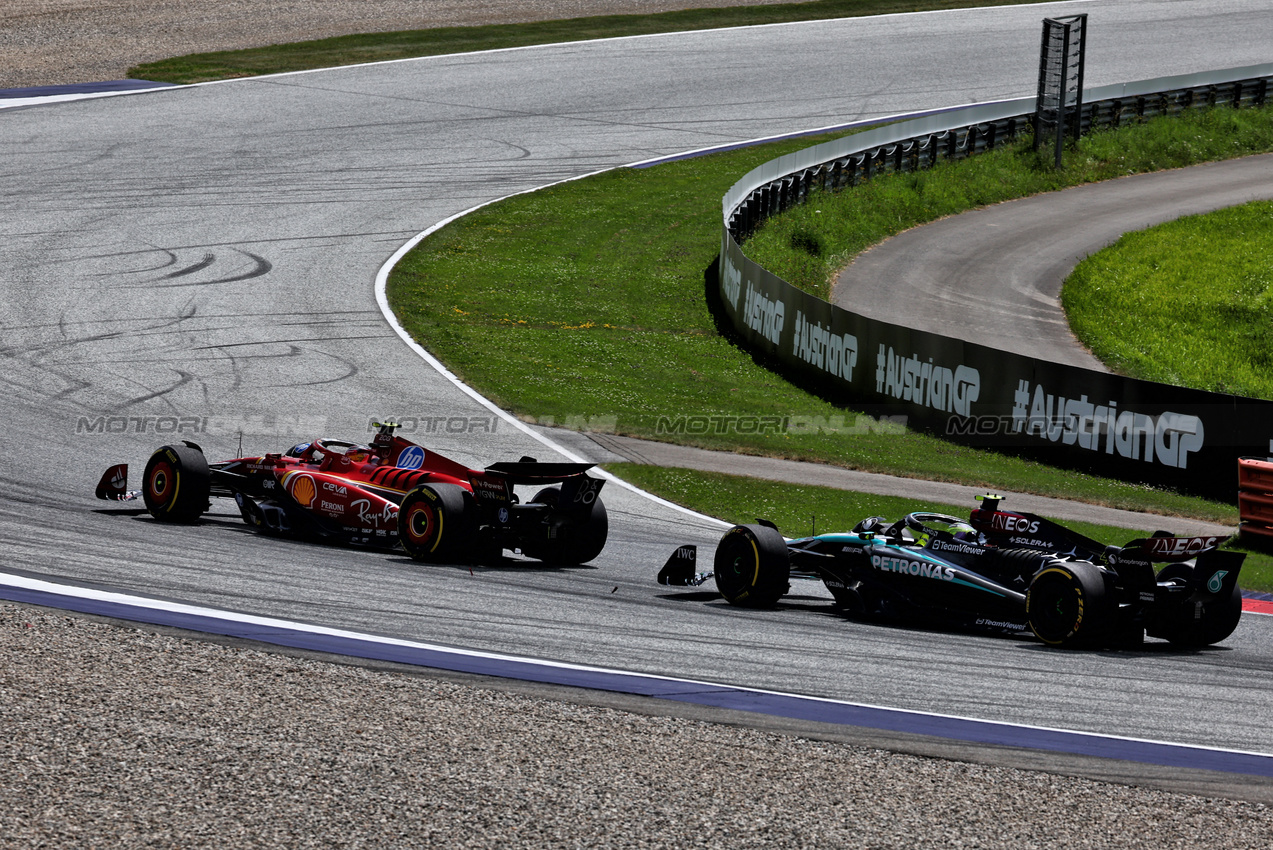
(583, 305)
(380, 47)
(800, 510)
(808, 245)
(1147, 305)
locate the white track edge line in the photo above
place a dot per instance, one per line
(43, 586)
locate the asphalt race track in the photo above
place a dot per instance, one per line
(200, 262)
(996, 273)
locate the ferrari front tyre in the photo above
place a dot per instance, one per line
(1066, 604)
(435, 523)
(752, 567)
(176, 484)
(577, 541)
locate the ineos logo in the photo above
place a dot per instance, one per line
(1181, 546)
(1012, 522)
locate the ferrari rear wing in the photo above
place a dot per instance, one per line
(534, 472)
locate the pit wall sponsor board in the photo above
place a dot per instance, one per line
(1092, 421)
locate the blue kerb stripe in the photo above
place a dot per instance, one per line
(82, 88)
(698, 693)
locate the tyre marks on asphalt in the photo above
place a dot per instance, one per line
(189, 351)
(260, 267)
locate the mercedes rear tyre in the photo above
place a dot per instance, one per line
(436, 523)
(1025, 562)
(752, 566)
(1202, 622)
(176, 484)
(1066, 604)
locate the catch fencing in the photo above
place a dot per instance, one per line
(1120, 427)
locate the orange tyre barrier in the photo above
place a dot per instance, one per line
(1255, 497)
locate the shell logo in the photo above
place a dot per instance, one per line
(303, 490)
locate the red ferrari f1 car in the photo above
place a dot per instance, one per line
(388, 493)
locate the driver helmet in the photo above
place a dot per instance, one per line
(298, 450)
(358, 453)
(964, 531)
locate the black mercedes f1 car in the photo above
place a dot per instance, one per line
(998, 571)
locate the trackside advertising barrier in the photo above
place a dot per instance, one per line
(1118, 427)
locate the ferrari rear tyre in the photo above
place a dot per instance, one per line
(436, 523)
(176, 484)
(752, 566)
(1066, 604)
(577, 542)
